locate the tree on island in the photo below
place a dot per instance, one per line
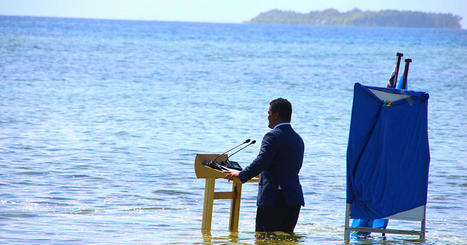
(357, 17)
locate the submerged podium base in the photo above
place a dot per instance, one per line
(210, 174)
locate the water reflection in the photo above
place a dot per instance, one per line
(278, 238)
(382, 239)
(231, 238)
(260, 238)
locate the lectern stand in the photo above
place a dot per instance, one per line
(210, 174)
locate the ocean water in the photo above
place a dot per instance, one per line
(100, 122)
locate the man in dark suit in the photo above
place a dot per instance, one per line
(278, 163)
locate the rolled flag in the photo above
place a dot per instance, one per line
(403, 81)
(393, 79)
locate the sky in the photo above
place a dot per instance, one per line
(232, 11)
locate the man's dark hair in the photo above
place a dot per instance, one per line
(283, 107)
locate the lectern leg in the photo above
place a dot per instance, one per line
(235, 206)
(208, 203)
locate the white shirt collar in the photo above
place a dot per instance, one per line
(280, 124)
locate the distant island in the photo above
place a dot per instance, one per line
(357, 17)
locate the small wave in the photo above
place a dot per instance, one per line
(152, 208)
(122, 133)
(172, 192)
(77, 176)
(83, 211)
(153, 199)
(17, 215)
(34, 173)
(59, 198)
(51, 203)
(55, 149)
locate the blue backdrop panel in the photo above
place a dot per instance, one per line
(388, 155)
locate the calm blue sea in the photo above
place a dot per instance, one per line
(100, 122)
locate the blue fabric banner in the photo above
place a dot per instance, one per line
(388, 154)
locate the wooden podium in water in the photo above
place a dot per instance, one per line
(210, 174)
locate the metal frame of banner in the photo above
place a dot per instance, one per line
(348, 229)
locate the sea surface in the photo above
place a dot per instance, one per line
(101, 120)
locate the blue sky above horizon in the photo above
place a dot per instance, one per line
(233, 11)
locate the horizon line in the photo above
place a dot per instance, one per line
(191, 21)
(115, 19)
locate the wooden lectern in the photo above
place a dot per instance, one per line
(210, 174)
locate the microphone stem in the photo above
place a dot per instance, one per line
(240, 149)
(248, 140)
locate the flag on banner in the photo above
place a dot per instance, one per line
(403, 81)
(391, 79)
(400, 84)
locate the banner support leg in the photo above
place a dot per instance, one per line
(347, 231)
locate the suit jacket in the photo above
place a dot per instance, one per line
(278, 163)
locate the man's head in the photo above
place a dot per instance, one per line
(280, 111)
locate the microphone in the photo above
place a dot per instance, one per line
(215, 165)
(246, 141)
(233, 165)
(252, 142)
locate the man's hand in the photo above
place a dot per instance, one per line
(231, 174)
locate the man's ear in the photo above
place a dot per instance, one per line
(276, 116)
